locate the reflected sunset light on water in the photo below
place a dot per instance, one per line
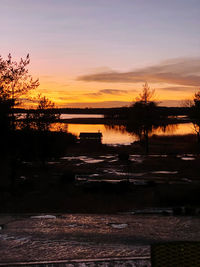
(118, 135)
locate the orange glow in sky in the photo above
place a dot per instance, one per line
(100, 53)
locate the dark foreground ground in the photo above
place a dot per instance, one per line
(92, 179)
(71, 237)
(105, 207)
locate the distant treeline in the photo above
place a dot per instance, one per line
(167, 111)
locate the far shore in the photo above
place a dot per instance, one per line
(106, 121)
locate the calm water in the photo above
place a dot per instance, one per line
(117, 136)
(77, 116)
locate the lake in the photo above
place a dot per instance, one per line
(116, 136)
(80, 116)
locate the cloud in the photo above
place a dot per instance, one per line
(103, 104)
(181, 71)
(108, 92)
(55, 91)
(67, 98)
(178, 88)
(113, 91)
(171, 103)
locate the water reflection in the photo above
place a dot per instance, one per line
(117, 134)
(171, 129)
(79, 116)
(110, 135)
(175, 129)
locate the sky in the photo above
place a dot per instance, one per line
(99, 53)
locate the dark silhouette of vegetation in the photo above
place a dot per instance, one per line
(37, 128)
(31, 138)
(5, 110)
(42, 118)
(15, 81)
(44, 115)
(143, 116)
(195, 114)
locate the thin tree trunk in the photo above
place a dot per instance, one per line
(198, 137)
(146, 136)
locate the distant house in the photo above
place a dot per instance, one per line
(90, 137)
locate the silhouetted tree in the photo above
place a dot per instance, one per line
(15, 79)
(39, 123)
(45, 114)
(15, 82)
(5, 110)
(143, 115)
(195, 114)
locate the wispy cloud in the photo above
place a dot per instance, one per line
(103, 104)
(107, 92)
(171, 103)
(113, 91)
(181, 71)
(68, 98)
(179, 88)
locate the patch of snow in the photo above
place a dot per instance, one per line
(113, 160)
(165, 172)
(162, 156)
(137, 158)
(43, 217)
(186, 180)
(113, 171)
(7, 237)
(94, 175)
(69, 158)
(90, 160)
(84, 159)
(108, 156)
(72, 225)
(105, 180)
(119, 225)
(185, 158)
(81, 177)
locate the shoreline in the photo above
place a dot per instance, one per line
(108, 121)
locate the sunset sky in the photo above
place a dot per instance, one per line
(99, 53)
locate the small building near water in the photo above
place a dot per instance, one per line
(90, 137)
